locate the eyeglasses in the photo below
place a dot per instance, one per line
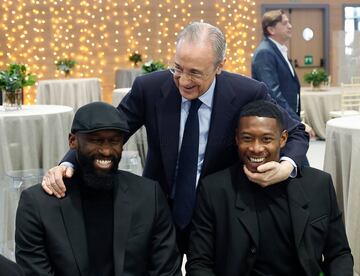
(193, 76)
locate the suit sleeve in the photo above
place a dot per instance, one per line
(337, 254)
(164, 255)
(201, 257)
(30, 251)
(264, 69)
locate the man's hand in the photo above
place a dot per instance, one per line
(53, 180)
(270, 173)
(310, 131)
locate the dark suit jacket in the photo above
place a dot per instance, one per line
(225, 235)
(9, 268)
(51, 236)
(155, 102)
(270, 67)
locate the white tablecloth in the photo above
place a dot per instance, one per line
(70, 92)
(138, 141)
(318, 104)
(34, 137)
(125, 77)
(342, 155)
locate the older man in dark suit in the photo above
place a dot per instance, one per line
(293, 227)
(111, 223)
(189, 113)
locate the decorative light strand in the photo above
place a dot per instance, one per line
(101, 34)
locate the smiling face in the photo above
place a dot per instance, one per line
(195, 58)
(259, 140)
(98, 152)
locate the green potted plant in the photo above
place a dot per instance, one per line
(135, 58)
(151, 66)
(12, 82)
(316, 77)
(65, 65)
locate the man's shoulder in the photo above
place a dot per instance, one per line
(237, 79)
(35, 191)
(265, 46)
(313, 179)
(154, 77)
(219, 180)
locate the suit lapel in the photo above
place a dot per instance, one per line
(168, 116)
(122, 220)
(222, 112)
(245, 205)
(72, 213)
(281, 57)
(298, 205)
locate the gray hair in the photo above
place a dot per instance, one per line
(196, 31)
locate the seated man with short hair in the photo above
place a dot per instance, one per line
(110, 223)
(291, 228)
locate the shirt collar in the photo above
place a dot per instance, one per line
(207, 97)
(281, 47)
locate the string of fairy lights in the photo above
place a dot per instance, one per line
(101, 34)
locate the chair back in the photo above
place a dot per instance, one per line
(355, 80)
(350, 99)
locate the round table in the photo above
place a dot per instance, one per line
(70, 92)
(34, 137)
(342, 154)
(317, 105)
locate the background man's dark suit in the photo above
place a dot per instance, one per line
(52, 231)
(9, 268)
(270, 67)
(226, 209)
(155, 102)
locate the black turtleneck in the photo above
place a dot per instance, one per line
(277, 254)
(98, 210)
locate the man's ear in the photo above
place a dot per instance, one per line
(73, 143)
(270, 30)
(236, 137)
(283, 138)
(220, 66)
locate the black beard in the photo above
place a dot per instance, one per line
(93, 179)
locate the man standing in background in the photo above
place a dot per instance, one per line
(271, 65)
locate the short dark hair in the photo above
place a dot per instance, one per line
(262, 108)
(270, 19)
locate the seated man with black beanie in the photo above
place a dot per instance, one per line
(293, 227)
(111, 222)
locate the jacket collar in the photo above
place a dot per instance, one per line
(72, 212)
(297, 199)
